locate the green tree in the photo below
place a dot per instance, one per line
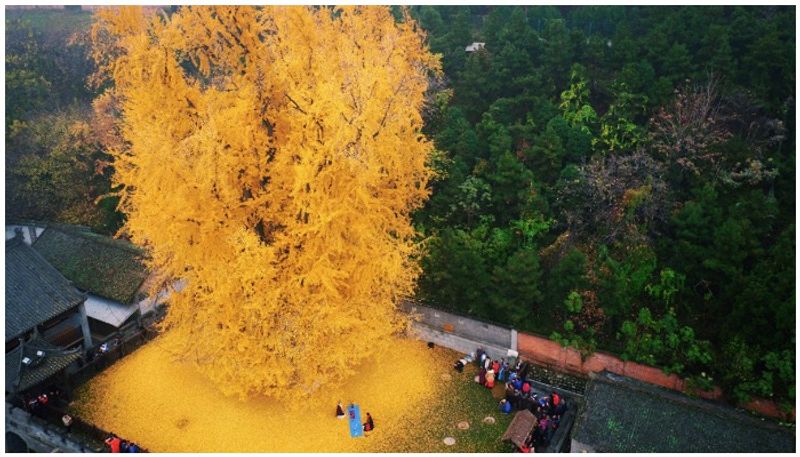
(60, 173)
(516, 291)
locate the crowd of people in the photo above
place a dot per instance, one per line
(548, 410)
(519, 395)
(492, 371)
(36, 402)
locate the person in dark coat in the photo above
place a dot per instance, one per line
(523, 371)
(562, 407)
(369, 425)
(550, 431)
(527, 403)
(339, 410)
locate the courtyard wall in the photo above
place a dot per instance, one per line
(465, 334)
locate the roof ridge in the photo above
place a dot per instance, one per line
(89, 235)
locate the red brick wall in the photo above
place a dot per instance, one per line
(543, 351)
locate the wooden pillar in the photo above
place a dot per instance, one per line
(87, 333)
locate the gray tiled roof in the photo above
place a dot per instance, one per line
(20, 377)
(625, 415)
(35, 291)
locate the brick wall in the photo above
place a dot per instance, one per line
(465, 334)
(551, 354)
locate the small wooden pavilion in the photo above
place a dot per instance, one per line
(521, 426)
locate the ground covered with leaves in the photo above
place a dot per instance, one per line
(414, 395)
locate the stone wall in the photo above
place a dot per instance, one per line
(466, 327)
(456, 342)
(38, 435)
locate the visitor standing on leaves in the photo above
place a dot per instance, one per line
(114, 443)
(67, 420)
(339, 410)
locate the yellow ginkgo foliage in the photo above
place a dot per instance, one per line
(271, 157)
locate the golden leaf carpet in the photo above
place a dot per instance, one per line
(168, 406)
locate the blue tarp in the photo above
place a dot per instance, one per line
(354, 417)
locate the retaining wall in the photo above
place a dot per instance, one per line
(465, 327)
(465, 334)
(40, 436)
(546, 352)
(456, 342)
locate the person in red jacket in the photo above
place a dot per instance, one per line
(114, 443)
(556, 399)
(526, 387)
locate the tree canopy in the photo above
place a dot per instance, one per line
(272, 157)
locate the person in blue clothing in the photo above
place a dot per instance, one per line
(132, 447)
(505, 406)
(543, 402)
(502, 372)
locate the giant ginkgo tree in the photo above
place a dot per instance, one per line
(271, 157)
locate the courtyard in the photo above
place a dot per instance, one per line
(414, 395)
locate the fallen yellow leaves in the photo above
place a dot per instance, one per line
(168, 406)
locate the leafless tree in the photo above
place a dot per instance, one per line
(616, 198)
(688, 132)
(685, 131)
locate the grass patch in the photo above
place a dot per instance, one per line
(463, 400)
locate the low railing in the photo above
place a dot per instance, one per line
(119, 344)
(80, 431)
